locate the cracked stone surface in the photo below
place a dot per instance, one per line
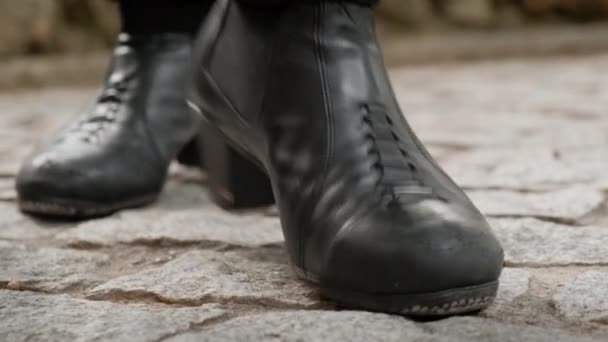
(310, 326)
(508, 168)
(183, 215)
(513, 283)
(16, 226)
(37, 317)
(358, 326)
(259, 276)
(566, 204)
(173, 223)
(10, 217)
(475, 329)
(585, 297)
(534, 242)
(526, 138)
(48, 269)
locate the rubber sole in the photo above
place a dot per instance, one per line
(457, 301)
(72, 209)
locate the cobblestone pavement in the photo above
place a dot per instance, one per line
(528, 139)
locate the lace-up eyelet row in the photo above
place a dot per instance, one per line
(104, 113)
(375, 118)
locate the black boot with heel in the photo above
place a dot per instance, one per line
(115, 154)
(299, 95)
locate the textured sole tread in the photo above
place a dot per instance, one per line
(445, 303)
(65, 208)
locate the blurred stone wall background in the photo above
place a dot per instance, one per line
(56, 26)
(52, 26)
(490, 14)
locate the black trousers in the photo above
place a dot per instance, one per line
(182, 3)
(280, 2)
(185, 16)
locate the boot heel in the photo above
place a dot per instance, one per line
(234, 181)
(191, 154)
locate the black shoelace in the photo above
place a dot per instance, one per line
(104, 111)
(398, 174)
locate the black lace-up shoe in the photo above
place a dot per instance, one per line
(301, 94)
(116, 154)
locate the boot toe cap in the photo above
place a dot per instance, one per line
(46, 175)
(83, 178)
(429, 248)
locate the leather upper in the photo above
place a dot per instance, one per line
(303, 91)
(120, 146)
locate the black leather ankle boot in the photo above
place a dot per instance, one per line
(116, 154)
(302, 95)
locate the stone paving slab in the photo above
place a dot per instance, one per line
(358, 326)
(584, 298)
(48, 269)
(36, 317)
(532, 242)
(508, 168)
(7, 190)
(565, 204)
(184, 215)
(528, 139)
(513, 284)
(541, 130)
(16, 226)
(260, 277)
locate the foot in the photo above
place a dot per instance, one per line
(367, 213)
(116, 154)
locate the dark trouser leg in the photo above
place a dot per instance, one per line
(163, 16)
(286, 2)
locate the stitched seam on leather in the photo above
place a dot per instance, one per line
(271, 61)
(224, 98)
(202, 53)
(329, 131)
(208, 55)
(208, 51)
(234, 144)
(326, 94)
